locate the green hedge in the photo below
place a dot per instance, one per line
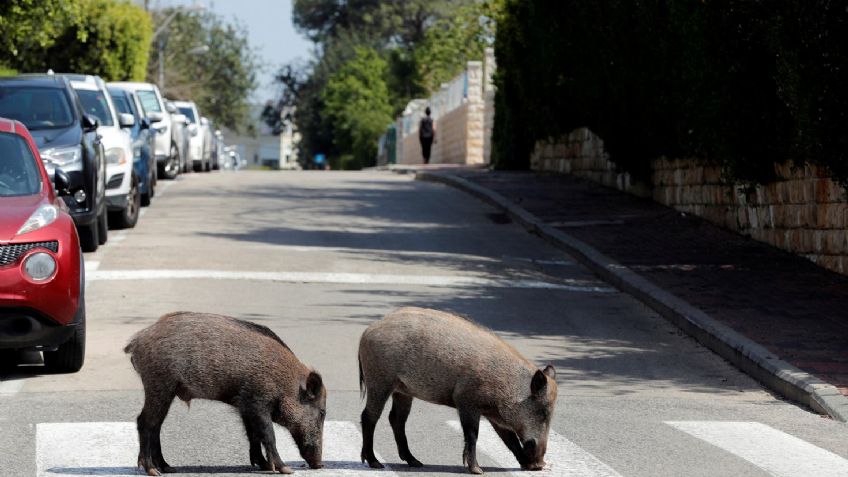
(743, 82)
(110, 38)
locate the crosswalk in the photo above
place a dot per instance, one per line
(110, 449)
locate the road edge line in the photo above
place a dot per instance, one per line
(748, 356)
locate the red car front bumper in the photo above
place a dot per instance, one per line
(41, 314)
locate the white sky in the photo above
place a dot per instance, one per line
(270, 32)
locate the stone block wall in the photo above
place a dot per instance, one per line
(451, 137)
(461, 133)
(803, 211)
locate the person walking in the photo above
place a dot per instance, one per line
(426, 135)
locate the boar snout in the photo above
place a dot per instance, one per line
(312, 456)
(534, 455)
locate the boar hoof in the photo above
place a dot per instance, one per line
(475, 470)
(153, 471)
(413, 462)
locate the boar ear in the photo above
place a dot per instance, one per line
(550, 371)
(539, 383)
(311, 388)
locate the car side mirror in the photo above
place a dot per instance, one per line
(62, 182)
(192, 129)
(155, 116)
(126, 120)
(89, 123)
(171, 108)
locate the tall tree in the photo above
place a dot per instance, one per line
(392, 29)
(208, 61)
(357, 106)
(29, 27)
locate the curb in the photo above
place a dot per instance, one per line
(750, 357)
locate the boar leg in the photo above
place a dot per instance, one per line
(149, 422)
(401, 405)
(260, 429)
(370, 415)
(470, 421)
(256, 457)
(512, 442)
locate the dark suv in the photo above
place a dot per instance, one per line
(67, 139)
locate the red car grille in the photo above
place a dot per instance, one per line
(10, 253)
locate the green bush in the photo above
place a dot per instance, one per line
(357, 106)
(742, 82)
(110, 38)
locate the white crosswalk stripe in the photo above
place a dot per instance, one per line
(564, 458)
(86, 448)
(340, 455)
(776, 452)
(110, 449)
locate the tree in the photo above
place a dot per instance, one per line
(357, 106)
(29, 27)
(453, 41)
(110, 39)
(218, 80)
(391, 29)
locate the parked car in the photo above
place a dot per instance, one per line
(196, 152)
(182, 134)
(166, 151)
(123, 196)
(42, 287)
(143, 137)
(67, 138)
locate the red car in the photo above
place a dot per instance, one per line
(42, 302)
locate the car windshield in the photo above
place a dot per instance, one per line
(37, 108)
(19, 174)
(189, 113)
(149, 101)
(94, 103)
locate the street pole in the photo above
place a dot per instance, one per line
(161, 54)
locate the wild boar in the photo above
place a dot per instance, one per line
(204, 356)
(446, 359)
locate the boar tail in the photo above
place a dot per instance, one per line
(362, 387)
(130, 350)
(130, 347)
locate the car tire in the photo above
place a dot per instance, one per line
(127, 218)
(103, 227)
(89, 236)
(197, 167)
(151, 191)
(171, 168)
(208, 166)
(8, 360)
(70, 355)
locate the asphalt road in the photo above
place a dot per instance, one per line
(317, 256)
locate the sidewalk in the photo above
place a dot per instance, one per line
(775, 315)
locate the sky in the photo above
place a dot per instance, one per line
(270, 33)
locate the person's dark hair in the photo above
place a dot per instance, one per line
(427, 110)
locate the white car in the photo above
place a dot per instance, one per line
(167, 154)
(123, 194)
(197, 154)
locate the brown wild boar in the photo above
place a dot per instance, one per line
(204, 356)
(446, 359)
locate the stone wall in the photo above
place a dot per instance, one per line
(803, 211)
(451, 138)
(462, 133)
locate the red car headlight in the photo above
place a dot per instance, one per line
(39, 266)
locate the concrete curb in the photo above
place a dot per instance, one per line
(750, 357)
